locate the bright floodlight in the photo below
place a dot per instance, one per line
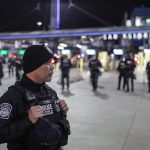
(138, 21)
(39, 23)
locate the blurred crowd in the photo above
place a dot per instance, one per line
(126, 71)
(14, 68)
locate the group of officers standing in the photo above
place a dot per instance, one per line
(126, 70)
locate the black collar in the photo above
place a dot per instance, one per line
(29, 84)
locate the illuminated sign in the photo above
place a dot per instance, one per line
(66, 51)
(3, 52)
(118, 51)
(21, 51)
(91, 51)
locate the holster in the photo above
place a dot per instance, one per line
(44, 133)
(65, 131)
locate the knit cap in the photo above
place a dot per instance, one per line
(35, 56)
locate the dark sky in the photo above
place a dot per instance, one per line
(22, 15)
(106, 12)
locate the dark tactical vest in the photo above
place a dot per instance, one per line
(65, 64)
(94, 65)
(53, 128)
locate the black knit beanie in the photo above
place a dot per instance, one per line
(35, 56)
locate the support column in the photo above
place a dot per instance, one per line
(55, 15)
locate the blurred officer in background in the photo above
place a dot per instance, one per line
(32, 117)
(18, 66)
(129, 73)
(1, 71)
(148, 75)
(11, 63)
(94, 66)
(121, 69)
(65, 65)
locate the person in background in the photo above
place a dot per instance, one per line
(121, 69)
(129, 73)
(11, 63)
(1, 71)
(18, 66)
(32, 117)
(148, 74)
(65, 65)
(94, 65)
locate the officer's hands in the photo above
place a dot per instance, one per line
(34, 113)
(64, 106)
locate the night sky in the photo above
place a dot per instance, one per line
(22, 15)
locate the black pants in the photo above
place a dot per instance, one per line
(128, 81)
(120, 78)
(11, 71)
(65, 79)
(148, 83)
(94, 79)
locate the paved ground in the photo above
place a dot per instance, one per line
(105, 120)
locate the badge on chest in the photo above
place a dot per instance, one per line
(50, 107)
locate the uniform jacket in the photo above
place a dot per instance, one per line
(15, 125)
(148, 69)
(1, 70)
(94, 64)
(65, 66)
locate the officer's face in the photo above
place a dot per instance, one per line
(44, 72)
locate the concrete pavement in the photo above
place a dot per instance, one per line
(107, 119)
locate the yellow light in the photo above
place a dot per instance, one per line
(78, 56)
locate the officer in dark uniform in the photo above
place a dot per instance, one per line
(18, 66)
(1, 71)
(94, 65)
(129, 73)
(32, 117)
(11, 63)
(148, 74)
(65, 65)
(121, 69)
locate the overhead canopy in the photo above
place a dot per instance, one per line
(74, 32)
(138, 11)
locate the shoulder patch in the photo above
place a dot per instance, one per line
(5, 110)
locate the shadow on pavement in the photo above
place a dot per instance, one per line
(101, 87)
(66, 93)
(101, 95)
